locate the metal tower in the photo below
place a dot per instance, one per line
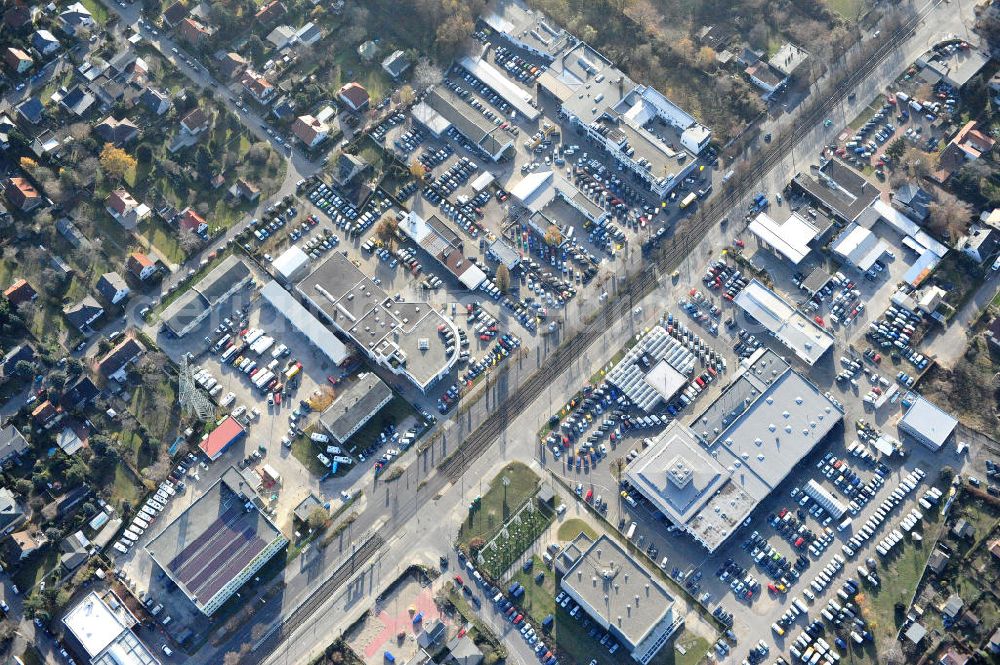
(193, 401)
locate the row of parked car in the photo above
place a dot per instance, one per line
(872, 524)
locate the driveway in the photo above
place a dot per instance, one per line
(949, 345)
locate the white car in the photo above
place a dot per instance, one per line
(228, 399)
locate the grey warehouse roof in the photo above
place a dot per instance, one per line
(355, 406)
(609, 580)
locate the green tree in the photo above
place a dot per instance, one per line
(317, 518)
(503, 278)
(24, 368)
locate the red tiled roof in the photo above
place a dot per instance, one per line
(354, 94)
(190, 220)
(19, 292)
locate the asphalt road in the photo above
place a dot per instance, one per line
(395, 506)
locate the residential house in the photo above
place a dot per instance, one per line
(78, 100)
(8, 364)
(25, 543)
(196, 122)
(310, 130)
(92, 69)
(912, 201)
(12, 445)
(258, 87)
(354, 96)
(117, 132)
(11, 512)
(44, 42)
(107, 91)
(154, 101)
(937, 561)
(68, 230)
(282, 36)
(20, 291)
(270, 12)
(193, 32)
(31, 110)
(83, 313)
(22, 194)
(994, 643)
(993, 333)
(19, 16)
(952, 607)
(994, 548)
(969, 144)
(140, 265)
(766, 78)
(7, 127)
(75, 17)
(76, 550)
(69, 440)
(244, 189)
(45, 415)
(396, 64)
(982, 244)
(963, 529)
(112, 287)
(174, 14)
(347, 168)
(115, 364)
(17, 60)
(125, 209)
(953, 657)
(232, 65)
(308, 34)
(789, 60)
(189, 220)
(80, 394)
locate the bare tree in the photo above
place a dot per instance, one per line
(949, 215)
(426, 74)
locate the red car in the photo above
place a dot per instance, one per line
(772, 588)
(518, 619)
(332, 380)
(277, 398)
(800, 541)
(459, 580)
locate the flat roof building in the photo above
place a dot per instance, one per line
(355, 407)
(217, 544)
(100, 625)
(839, 189)
(790, 240)
(519, 100)
(467, 121)
(197, 303)
(302, 320)
(707, 477)
(653, 370)
(225, 434)
(858, 247)
(621, 595)
(403, 337)
(796, 331)
(928, 423)
(442, 242)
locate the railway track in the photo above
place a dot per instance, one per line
(358, 559)
(666, 260)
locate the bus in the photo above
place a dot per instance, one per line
(688, 200)
(292, 371)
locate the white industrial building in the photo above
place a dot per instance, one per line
(445, 245)
(859, 247)
(519, 100)
(825, 499)
(291, 265)
(797, 332)
(100, 625)
(321, 337)
(619, 594)
(706, 478)
(790, 240)
(928, 423)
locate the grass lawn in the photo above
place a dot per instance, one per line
(304, 450)
(124, 488)
(156, 232)
(160, 423)
(31, 571)
(539, 599)
(848, 9)
(97, 9)
(572, 527)
(395, 412)
(904, 571)
(499, 502)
